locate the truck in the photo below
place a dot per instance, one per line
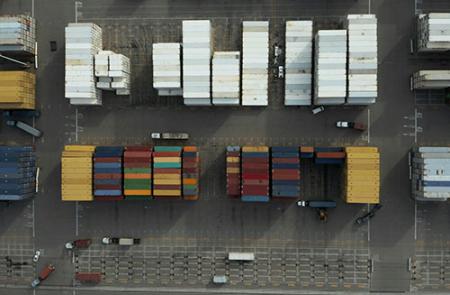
(352, 125)
(88, 277)
(241, 256)
(170, 135)
(78, 244)
(317, 204)
(43, 275)
(25, 127)
(121, 241)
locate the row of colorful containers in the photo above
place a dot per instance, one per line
(116, 173)
(108, 173)
(362, 175)
(255, 174)
(191, 173)
(17, 173)
(76, 173)
(285, 172)
(233, 171)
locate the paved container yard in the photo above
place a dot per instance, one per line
(404, 248)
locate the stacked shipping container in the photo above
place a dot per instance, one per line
(330, 76)
(76, 173)
(17, 90)
(83, 41)
(17, 35)
(298, 77)
(17, 173)
(362, 59)
(255, 63)
(113, 72)
(306, 152)
(255, 174)
(329, 155)
(430, 173)
(137, 164)
(197, 62)
(285, 172)
(167, 69)
(108, 173)
(233, 155)
(191, 173)
(226, 78)
(167, 171)
(362, 175)
(431, 79)
(433, 32)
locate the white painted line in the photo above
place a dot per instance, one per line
(369, 6)
(415, 125)
(76, 218)
(76, 11)
(368, 125)
(368, 224)
(32, 13)
(415, 220)
(76, 125)
(34, 219)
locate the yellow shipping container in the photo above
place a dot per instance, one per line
(363, 161)
(80, 148)
(77, 197)
(167, 193)
(233, 159)
(233, 170)
(363, 156)
(17, 90)
(255, 149)
(363, 200)
(361, 149)
(166, 176)
(167, 181)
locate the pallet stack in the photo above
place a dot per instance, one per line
(362, 175)
(17, 90)
(167, 171)
(76, 173)
(17, 173)
(233, 171)
(137, 166)
(191, 173)
(255, 174)
(108, 173)
(285, 172)
(329, 155)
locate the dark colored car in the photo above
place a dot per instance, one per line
(363, 219)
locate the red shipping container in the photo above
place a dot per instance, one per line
(233, 165)
(137, 165)
(331, 155)
(255, 190)
(167, 171)
(190, 165)
(137, 154)
(255, 165)
(255, 182)
(233, 154)
(108, 160)
(285, 177)
(255, 176)
(138, 148)
(285, 160)
(191, 170)
(234, 181)
(137, 160)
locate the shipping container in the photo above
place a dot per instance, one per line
(433, 32)
(138, 173)
(17, 89)
(255, 168)
(167, 69)
(226, 71)
(18, 35)
(191, 173)
(285, 172)
(108, 165)
(169, 183)
(233, 171)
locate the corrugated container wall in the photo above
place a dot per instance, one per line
(362, 59)
(17, 35)
(197, 62)
(330, 77)
(433, 32)
(255, 62)
(167, 69)
(298, 76)
(431, 79)
(226, 78)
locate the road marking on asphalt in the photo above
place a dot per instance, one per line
(34, 219)
(368, 125)
(32, 8)
(369, 6)
(415, 220)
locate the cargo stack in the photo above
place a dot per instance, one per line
(329, 155)
(255, 174)
(298, 77)
(137, 163)
(108, 173)
(433, 32)
(83, 41)
(330, 74)
(191, 173)
(255, 63)
(167, 69)
(285, 172)
(362, 175)
(76, 173)
(226, 69)
(431, 173)
(17, 90)
(431, 79)
(233, 171)
(113, 72)
(17, 173)
(197, 48)
(167, 171)
(17, 35)
(362, 59)
(306, 152)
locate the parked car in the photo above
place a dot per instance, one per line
(121, 241)
(43, 275)
(363, 219)
(36, 256)
(78, 244)
(280, 72)
(353, 125)
(317, 110)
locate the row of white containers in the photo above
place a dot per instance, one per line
(430, 177)
(167, 69)
(433, 32)
(226, 77)
(17, 34)
(113, 72)
(83, 41)
(431, 79)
